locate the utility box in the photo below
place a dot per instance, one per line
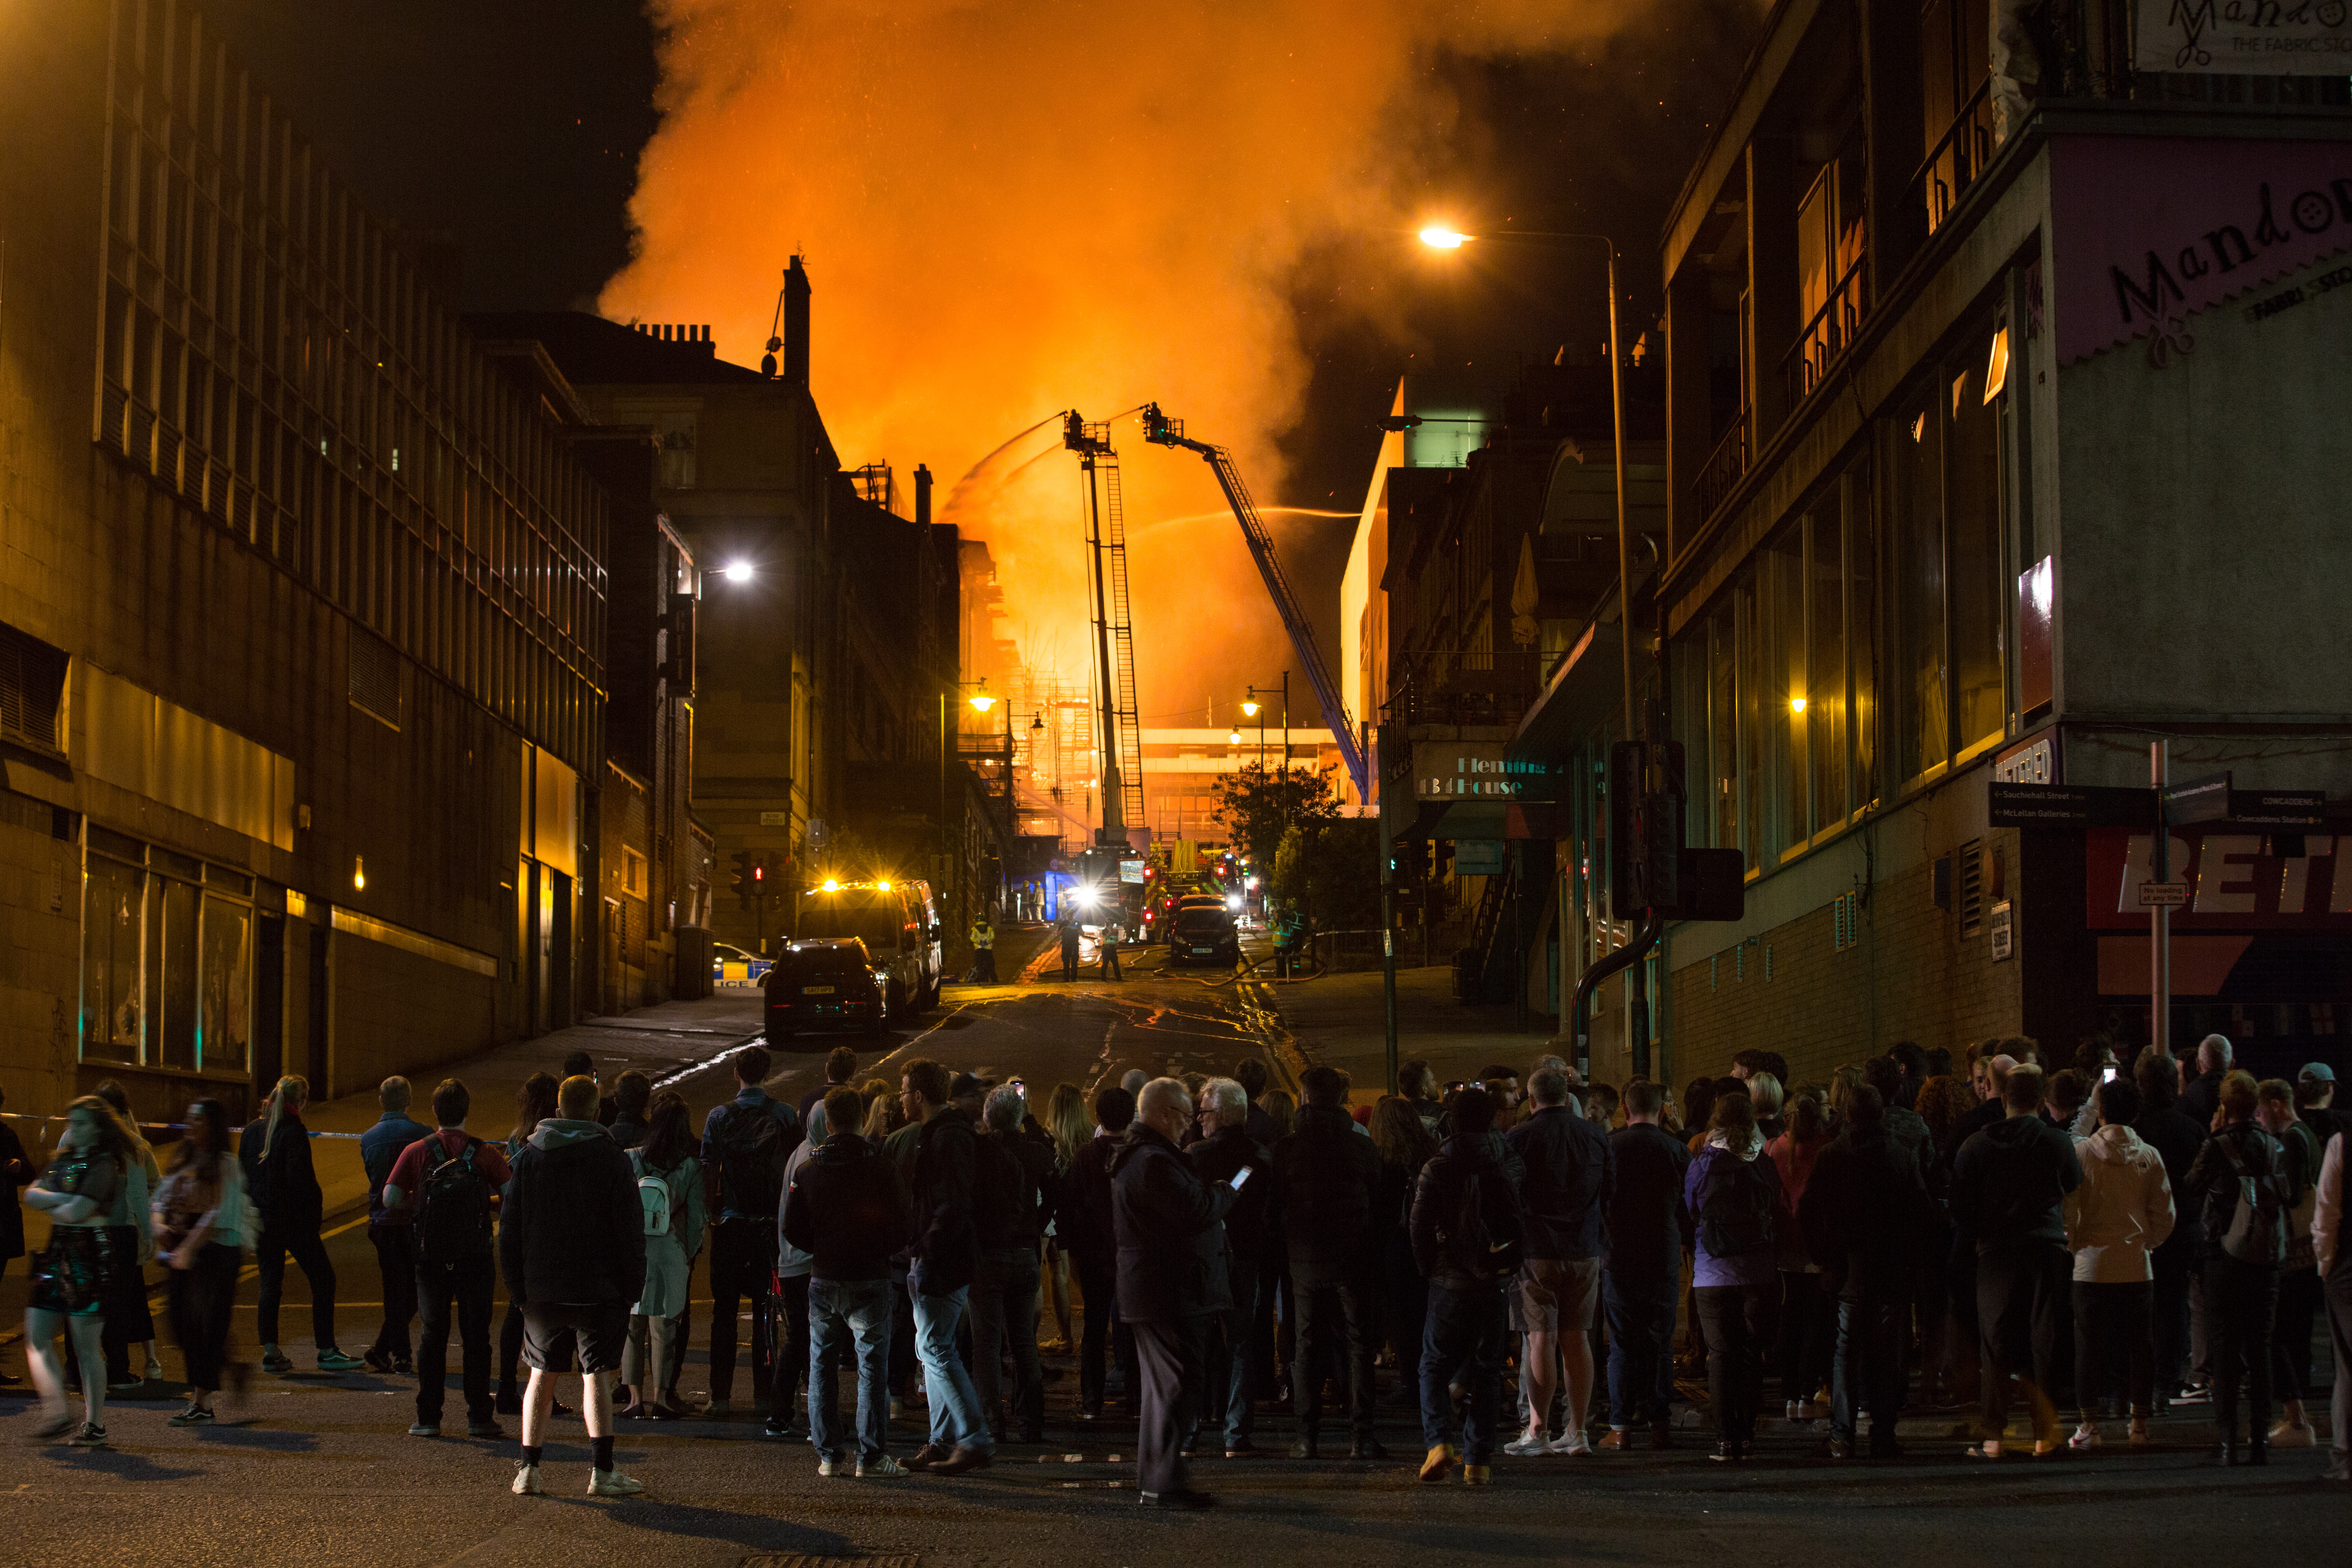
(694, 958)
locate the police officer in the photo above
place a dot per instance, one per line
(983, 950)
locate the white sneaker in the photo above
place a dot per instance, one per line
(2087, 1436)
(526, 1482)
(875, 1467)
(826, 1465)
(613, 1483)
(1574, 1443)
(1528, 1447)
(2292, 1435)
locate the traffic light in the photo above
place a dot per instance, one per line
(743, 878)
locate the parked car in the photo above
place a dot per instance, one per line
(825, 985)
(1203, 932)
(899, 927)
(732, 969)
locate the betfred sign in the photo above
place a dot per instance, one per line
(2232, 883)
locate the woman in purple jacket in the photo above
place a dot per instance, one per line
(1733, 1195)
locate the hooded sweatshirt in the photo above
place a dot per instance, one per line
(2122, 1212)
(571, 1231)
(1709, 1169)
(2010, 1184)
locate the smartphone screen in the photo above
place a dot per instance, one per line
(1239, 1178)
(2110, 1074)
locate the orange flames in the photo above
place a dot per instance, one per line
(1011, 208)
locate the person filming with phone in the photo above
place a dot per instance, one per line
(1170, 1226)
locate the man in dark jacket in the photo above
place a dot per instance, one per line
(1648, 1229)
(278, 1176)
(945, 1260)
(1224, 1148)
(1084, 1228)
(1014, 1192)
(849, 1211)
(1571, 1177)
(572, 1240)
(746, 1142)
(2201, 1096)
(2241, 1271)
(1171, 1279)
(1250, 1073)
(2010, 1184)
(2175, 1138)
(395, 1258)
(1863, 1210)
(1467, 1331)
(1325, 1174)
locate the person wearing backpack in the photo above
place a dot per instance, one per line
(572, 1242)
(445, 1185)
(1732, 1193)
(2241, 1185)
(669, 1201)
(1467, 1233)
(745, 1144)
(2010, 1184)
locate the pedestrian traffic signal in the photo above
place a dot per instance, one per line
(743, 879)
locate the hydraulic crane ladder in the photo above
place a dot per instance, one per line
(1162, 431)
(1122, 732)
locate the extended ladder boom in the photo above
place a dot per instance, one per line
(1162, 431)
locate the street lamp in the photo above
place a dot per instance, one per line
(738, 572)
(1438, 236)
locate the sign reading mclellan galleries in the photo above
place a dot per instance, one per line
(2245, 37)
(2149, 231)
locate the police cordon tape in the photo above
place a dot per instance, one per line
(145, 1127)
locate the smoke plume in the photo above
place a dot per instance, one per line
(1014, 206)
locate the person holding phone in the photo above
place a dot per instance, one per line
(1227, 1153)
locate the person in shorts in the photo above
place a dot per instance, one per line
(572, 1242)
(1571, 1177)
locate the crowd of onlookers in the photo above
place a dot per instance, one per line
(1919, 1230)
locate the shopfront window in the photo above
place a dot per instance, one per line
(113, 917)
(1918, 520)
(225, 1026)
(1972, 486)
(173, 904)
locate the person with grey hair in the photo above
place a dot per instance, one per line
(1224, 1149)
(1133, 1080)
(1170, 1226)
(381, 1147)
(2201, 1095)
(1015, 1191)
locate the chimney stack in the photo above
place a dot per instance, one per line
(796, 323)
(923, 495)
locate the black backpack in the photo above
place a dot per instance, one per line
(453, 1211)
(1488, 1238)
(2257, 1229)
(748, 1151)
(1738, 1213)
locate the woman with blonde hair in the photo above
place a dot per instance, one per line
(1071, 1126)
(74, 1273)
(276, 1153)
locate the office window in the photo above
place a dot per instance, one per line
(1825, 667)
(1862, 631)
(225, 1026)
(1972, 533)
(172, 911)
(1917, 444)
(1783, 565)
(1723, 737)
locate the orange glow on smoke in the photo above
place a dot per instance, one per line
(1012, 208)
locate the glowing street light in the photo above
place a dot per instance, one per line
(832, 886)
(1249, 709)
(1796, 705)
(737, 572)
(1233, 739)
(1437, 237)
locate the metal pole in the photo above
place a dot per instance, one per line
(1388, 944)
(2159, 919)
(1625, 529)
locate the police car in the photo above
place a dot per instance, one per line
(732, 969)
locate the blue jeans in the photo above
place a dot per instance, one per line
(1230, 1365)
(1641, 1314)
(947, 1382)
(1463, 1334)
(839, 1310)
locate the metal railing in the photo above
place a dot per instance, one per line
(1953, 164)
(1725, 467)
(1827, 336)
(1442, 686)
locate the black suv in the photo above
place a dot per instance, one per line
(825, 984)
(1203, 934)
